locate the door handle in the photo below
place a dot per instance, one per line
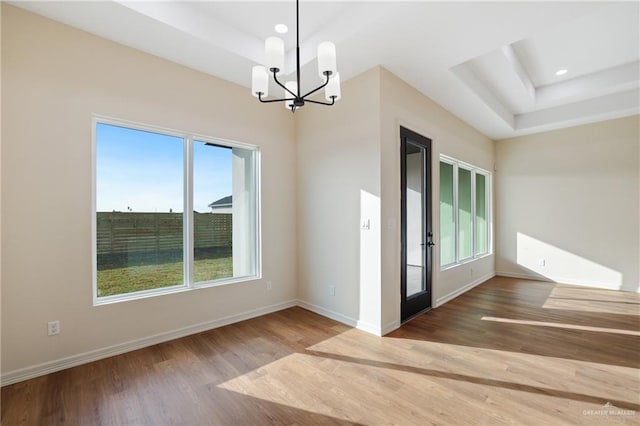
(431, 244)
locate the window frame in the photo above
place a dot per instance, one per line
(487, 206)
(189, 138)
(456, 164)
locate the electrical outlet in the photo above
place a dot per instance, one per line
(471, 271)
(53, 328)
(269, 285)
(332, 290)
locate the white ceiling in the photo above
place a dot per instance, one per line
(490, 63)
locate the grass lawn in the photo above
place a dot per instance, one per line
(145, 277)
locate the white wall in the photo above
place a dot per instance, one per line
(403, 105)
(53, 78)
(570, 197)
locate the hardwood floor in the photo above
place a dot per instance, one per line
(507, 352)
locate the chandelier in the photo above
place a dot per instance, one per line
(274, 63)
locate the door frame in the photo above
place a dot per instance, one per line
(422, 301)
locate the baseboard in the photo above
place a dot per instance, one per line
(569, 281)
(98, 354)
(369, 328)
(521, 275)
(389, 327)
(351, 322)
(444, 299)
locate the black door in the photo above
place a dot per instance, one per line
(417, 236)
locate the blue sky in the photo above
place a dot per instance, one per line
(144, 171)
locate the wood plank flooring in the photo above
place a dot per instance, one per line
(507, 352)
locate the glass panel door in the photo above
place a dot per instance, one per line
(417, 241)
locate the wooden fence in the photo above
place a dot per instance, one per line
(125, 232)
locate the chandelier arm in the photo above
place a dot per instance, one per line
(276, 100)
(317, 88)
(266, 101)
(333, 101)
(275, 78)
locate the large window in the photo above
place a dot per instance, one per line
(172, 211)
(464, 212)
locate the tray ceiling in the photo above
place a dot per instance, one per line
(493, 64)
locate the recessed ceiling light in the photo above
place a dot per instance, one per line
(281, 28)
(561, 72)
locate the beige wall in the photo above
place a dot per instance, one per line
(402, 105)
(338, 162)
(53, 78)
(571, 197)
(349, 173)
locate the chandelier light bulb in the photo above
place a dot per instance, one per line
(326, 59)
(259, 81)
(274, 54)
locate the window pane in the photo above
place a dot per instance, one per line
(447, 218)
(414, 170)
(224, 228)
(465, 220)
(139, 204)
(212, 216)
(481, 215)
(245, 231)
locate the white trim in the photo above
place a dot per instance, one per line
(187, 216)
(464, 164)
(524, 276)
(227, 143)
(570, 281)
(94, 208)
(257, 169)
(586, 283)
(121, 122)
(351, 322)
(152, 128)
(369, 328)
(98, 354)
(444, 299)
(464, 262)
(390, 326)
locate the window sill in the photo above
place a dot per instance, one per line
(108, 300)
(464, 262)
